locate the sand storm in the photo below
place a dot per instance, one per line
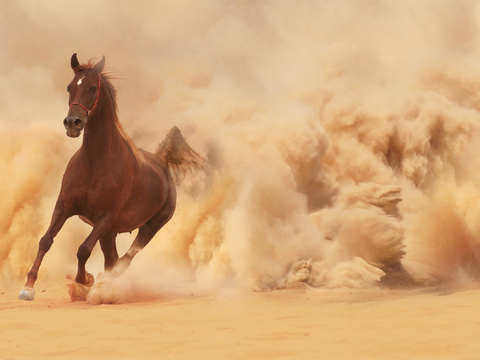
(342, 136)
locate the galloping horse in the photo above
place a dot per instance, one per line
(109, 182)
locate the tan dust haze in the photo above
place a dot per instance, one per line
(343, 137)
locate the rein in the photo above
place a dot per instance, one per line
(89, 112)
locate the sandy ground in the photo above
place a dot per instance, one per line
(293, 324)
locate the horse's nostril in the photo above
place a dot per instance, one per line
(78, 123)
(65, 123)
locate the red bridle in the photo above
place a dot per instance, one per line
(89, 112)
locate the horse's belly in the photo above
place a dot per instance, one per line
(119, 226)
(129, 221)
(85, 220)
(126, 221)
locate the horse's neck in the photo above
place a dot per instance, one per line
(101, 138)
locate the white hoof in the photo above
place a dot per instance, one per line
(26, 294)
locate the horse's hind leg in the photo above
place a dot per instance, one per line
(109, 249)
(145, 234)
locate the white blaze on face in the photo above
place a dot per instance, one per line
(79, 82)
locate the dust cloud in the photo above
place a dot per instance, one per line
(342, 137)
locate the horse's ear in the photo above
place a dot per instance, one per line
(99, 66)
(74, 61)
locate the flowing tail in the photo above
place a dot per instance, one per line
(180, 158)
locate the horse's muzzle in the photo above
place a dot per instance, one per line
(74, 126)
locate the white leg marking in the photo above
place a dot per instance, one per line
(27, 294)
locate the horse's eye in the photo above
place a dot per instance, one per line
(92, 90)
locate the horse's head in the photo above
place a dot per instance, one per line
(84, 91)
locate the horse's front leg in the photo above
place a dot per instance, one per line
(100, 229)
(58, 219)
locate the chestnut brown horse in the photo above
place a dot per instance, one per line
(110, 183)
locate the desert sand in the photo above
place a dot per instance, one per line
(435, 323)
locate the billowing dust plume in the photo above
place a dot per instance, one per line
(342, 137)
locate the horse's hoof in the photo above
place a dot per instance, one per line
(27, 294)
(77, 291)
(90, 280)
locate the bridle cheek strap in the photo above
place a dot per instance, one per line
(89, 112)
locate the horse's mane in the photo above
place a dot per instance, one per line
(112, 92)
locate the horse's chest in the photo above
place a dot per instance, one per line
(104, 192)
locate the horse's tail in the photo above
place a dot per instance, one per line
(180, 158)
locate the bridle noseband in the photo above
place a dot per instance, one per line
(89, 112)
